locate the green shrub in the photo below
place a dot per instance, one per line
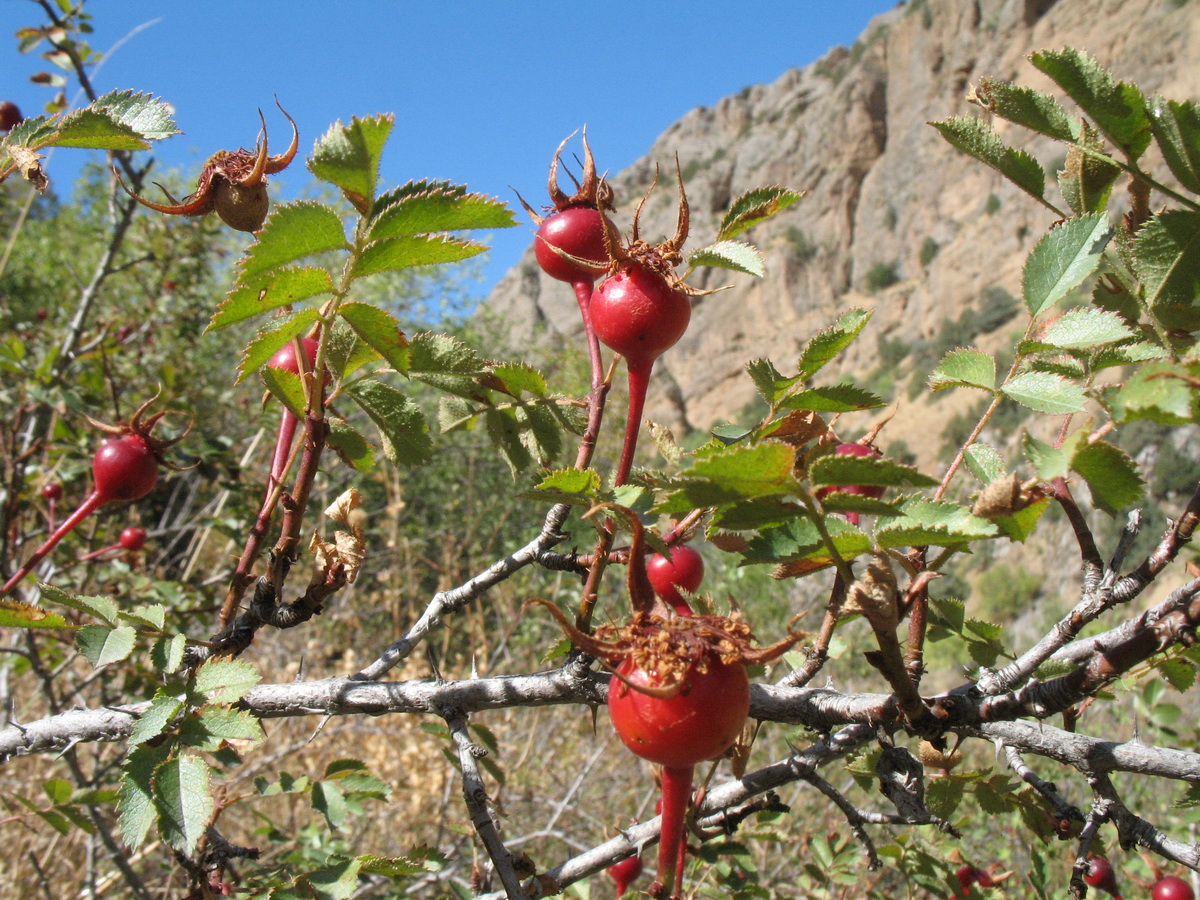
(929, 250)
(880, 276)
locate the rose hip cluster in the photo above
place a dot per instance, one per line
(124, 467)
(679, 694)
(641, 308)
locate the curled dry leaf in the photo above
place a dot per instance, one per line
(875, 596)
(345, 511)
(29, 165)
(1000, 498)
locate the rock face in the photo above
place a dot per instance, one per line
(893, 218)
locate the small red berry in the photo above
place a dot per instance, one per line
(683, 569)
(1100, 874)
(41, 314)
(625, 873)
(10, 115)
(285, 356)
(124, 468)
(1173, 888)
(638, 314)
(133, 538)
(698, 723)
(577, 231)
(52, 490)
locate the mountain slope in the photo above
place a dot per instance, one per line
(893, 217)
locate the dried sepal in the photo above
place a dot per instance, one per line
(231, 183)
(141, 424)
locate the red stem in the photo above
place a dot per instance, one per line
(94, 500)
(639, 383)
(676, 794)
(101, 551)
(283, 448)
(583, 293)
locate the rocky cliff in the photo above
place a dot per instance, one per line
(893, 218)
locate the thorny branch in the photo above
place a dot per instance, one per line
(476, 798)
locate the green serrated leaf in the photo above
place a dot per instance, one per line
(834, 398)
(405, 251)
(1029, 108)
(379, 330)
(286, 387)
(101, 645)
(829, 342)
(135, 799)
(755, 514)
(835, 469)
(167, 653)
(539, 432)
(283, 287)
(1087, 179)
(1160, 392)
(1111, 476)
(985, 630)
(1167, 260)
(984, 462)
(797, 546)
(146, 115)
(943, 795)
(517, 378)
(350, 446)
(455, 413)
(397, 866)
(1049, 462)
(345, 353)
(348, 156)
(1180, 673)
(1176, 128)
(739, 473)
(1021, 524)
(1125, 355)
(1062, 259)
(403, 430)
(103, 608)
(1045, 392)
(966, 367)
(936, 522)
(505, 432)
(150, 617)
(184, 802)
(977, 140)
(442, 354)
(423, 207)
(1117, 108)
(845, 502)
(770, 383)
(753, 207)
(154, 721)
(1085, 328)
(571, 481)
(215, 725)
(15, 614)
(223, 681)
(271, 340)
(948, 613)
(328, 799)
(291, 232)
(92, 129)
(733, 255)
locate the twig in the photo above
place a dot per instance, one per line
(446, 602)
(476, 798)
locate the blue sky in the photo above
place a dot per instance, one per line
(483, 92)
